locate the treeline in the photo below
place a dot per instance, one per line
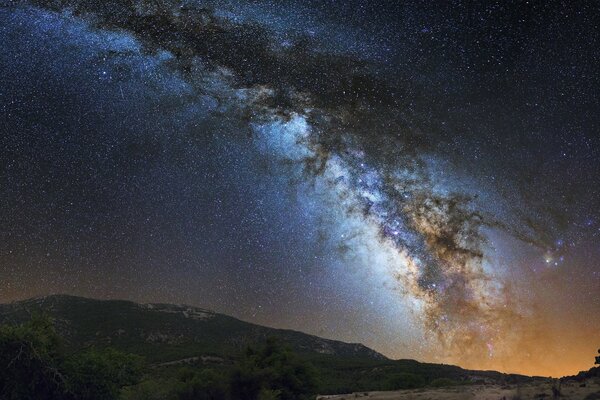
(269, 372)
(34, 364)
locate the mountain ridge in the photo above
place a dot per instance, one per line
(177, 324)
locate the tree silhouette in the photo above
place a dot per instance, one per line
(30, 360)
(33, 365)
(272, 371)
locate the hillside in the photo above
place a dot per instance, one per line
(164, 332)
(169, 335)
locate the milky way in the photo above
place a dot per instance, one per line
(391, 183)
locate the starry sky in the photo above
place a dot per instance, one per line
(420, 177)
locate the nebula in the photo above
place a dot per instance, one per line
(343, 131)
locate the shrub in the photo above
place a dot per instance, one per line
(404, 380)
(440, 382)
(30, 361)
(273, 370)
(100, 374)
(200, 385)
(33, 365)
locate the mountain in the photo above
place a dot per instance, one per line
(169, 335)
(593, 372)
(164, 332)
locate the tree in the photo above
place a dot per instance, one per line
(441, 382)
(100, 374)
(33, 365)
(404, 380)
(272, 371)
(205, 384)
(189, 383)
(30, 361)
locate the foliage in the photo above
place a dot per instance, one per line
(441, 382)
(404, 380)
(30, 361)
(100, 374)
(33, 365)
(147, 390)
(188, 384)
(272, 371)
(268, 394)
(205, 384)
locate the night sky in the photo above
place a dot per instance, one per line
(422, 178)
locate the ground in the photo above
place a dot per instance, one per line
(589, 390)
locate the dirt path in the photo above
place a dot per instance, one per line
(537, 391)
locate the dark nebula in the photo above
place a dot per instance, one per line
(423, 178)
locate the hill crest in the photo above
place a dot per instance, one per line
(176, 329)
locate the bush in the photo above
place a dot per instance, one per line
(200, 385)
(30, 361)
(404, 381)
(440, 382)
(100, 374)
(272, 370)
(33, 365)
(148, 390)
(187, 384)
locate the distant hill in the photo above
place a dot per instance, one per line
(164, 332)
(168, 335)
(593, 372)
